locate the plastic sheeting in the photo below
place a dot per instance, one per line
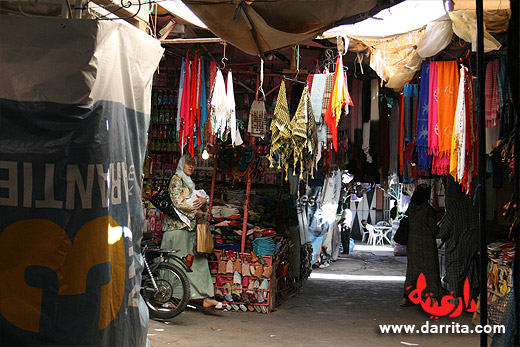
(437, 35)
(74, 111)
(465, 27)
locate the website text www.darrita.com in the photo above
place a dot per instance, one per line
(427, 328)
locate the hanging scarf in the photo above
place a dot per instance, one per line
(424, 162)
(180, 171)
(218, 112)
(433, 103)
(203, 105)
(193, 104)
(355, 112)
(236, 140)
(448, 84)
(281, 132)
(458, 140)
(410, 93)
(179, 97)
(312, 135)
(492, 96)
(185, 106)
(471, 150)
(317, 92)
(339, 97)
(299, 130)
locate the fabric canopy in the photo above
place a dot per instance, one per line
(258, 27)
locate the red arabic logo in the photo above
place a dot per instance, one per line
(446, 306)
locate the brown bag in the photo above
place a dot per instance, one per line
(204, 237)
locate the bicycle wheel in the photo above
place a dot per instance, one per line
(172, 293)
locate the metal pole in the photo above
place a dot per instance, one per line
(482, 168)
(215, 158)
(514, 78)
(246, 205)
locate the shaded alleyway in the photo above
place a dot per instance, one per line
(335, 307)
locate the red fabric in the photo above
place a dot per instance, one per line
(185, 106)
(193, 105)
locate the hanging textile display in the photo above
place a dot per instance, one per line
(299, 130)
(179, 98)
(193, 105)
(203, 106)
(317, 93)
(447, 83)
(492, 96)
(281, 132)
(218, 111)
(471, 152)
(236, 139)
(458, 140)
(424, 160)
(185, 106)
(339, 97)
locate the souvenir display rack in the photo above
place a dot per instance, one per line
(243, 275)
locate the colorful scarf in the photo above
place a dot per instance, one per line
(203, 105)
(185, 106)
(492, 96)
(458, 140)
(424, 161)
(339, 97)
(433, 103)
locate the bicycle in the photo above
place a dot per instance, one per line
(165, 287)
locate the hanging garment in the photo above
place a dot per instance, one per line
(299, 131)
(393, 137)
(400, 143)
(433, 103)
(203, 105)
(492, 96)
(317, 92)
(458, 140)
(179, 97)
(448, 84)
(411, 92)
(355, 111)
(384, 144)
(366, 141)
(504, 89)
(329, 84)
(185, 106)
(236, 139)
(193, 105)
(424, 161)
(339, 97)
(218, 111)
(312, 136)
(281, 132)
(471, 152)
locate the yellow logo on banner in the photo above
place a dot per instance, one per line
(43, 243)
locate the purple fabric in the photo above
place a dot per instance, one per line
(424, 160)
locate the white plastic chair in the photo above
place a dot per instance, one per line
(375, 237)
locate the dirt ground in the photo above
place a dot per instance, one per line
(336, 306)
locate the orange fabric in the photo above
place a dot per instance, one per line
(400, 141)
(448, 85)
(338, 98)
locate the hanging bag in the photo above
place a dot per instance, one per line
(204, 242)
(401, 235)
(162, 201)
